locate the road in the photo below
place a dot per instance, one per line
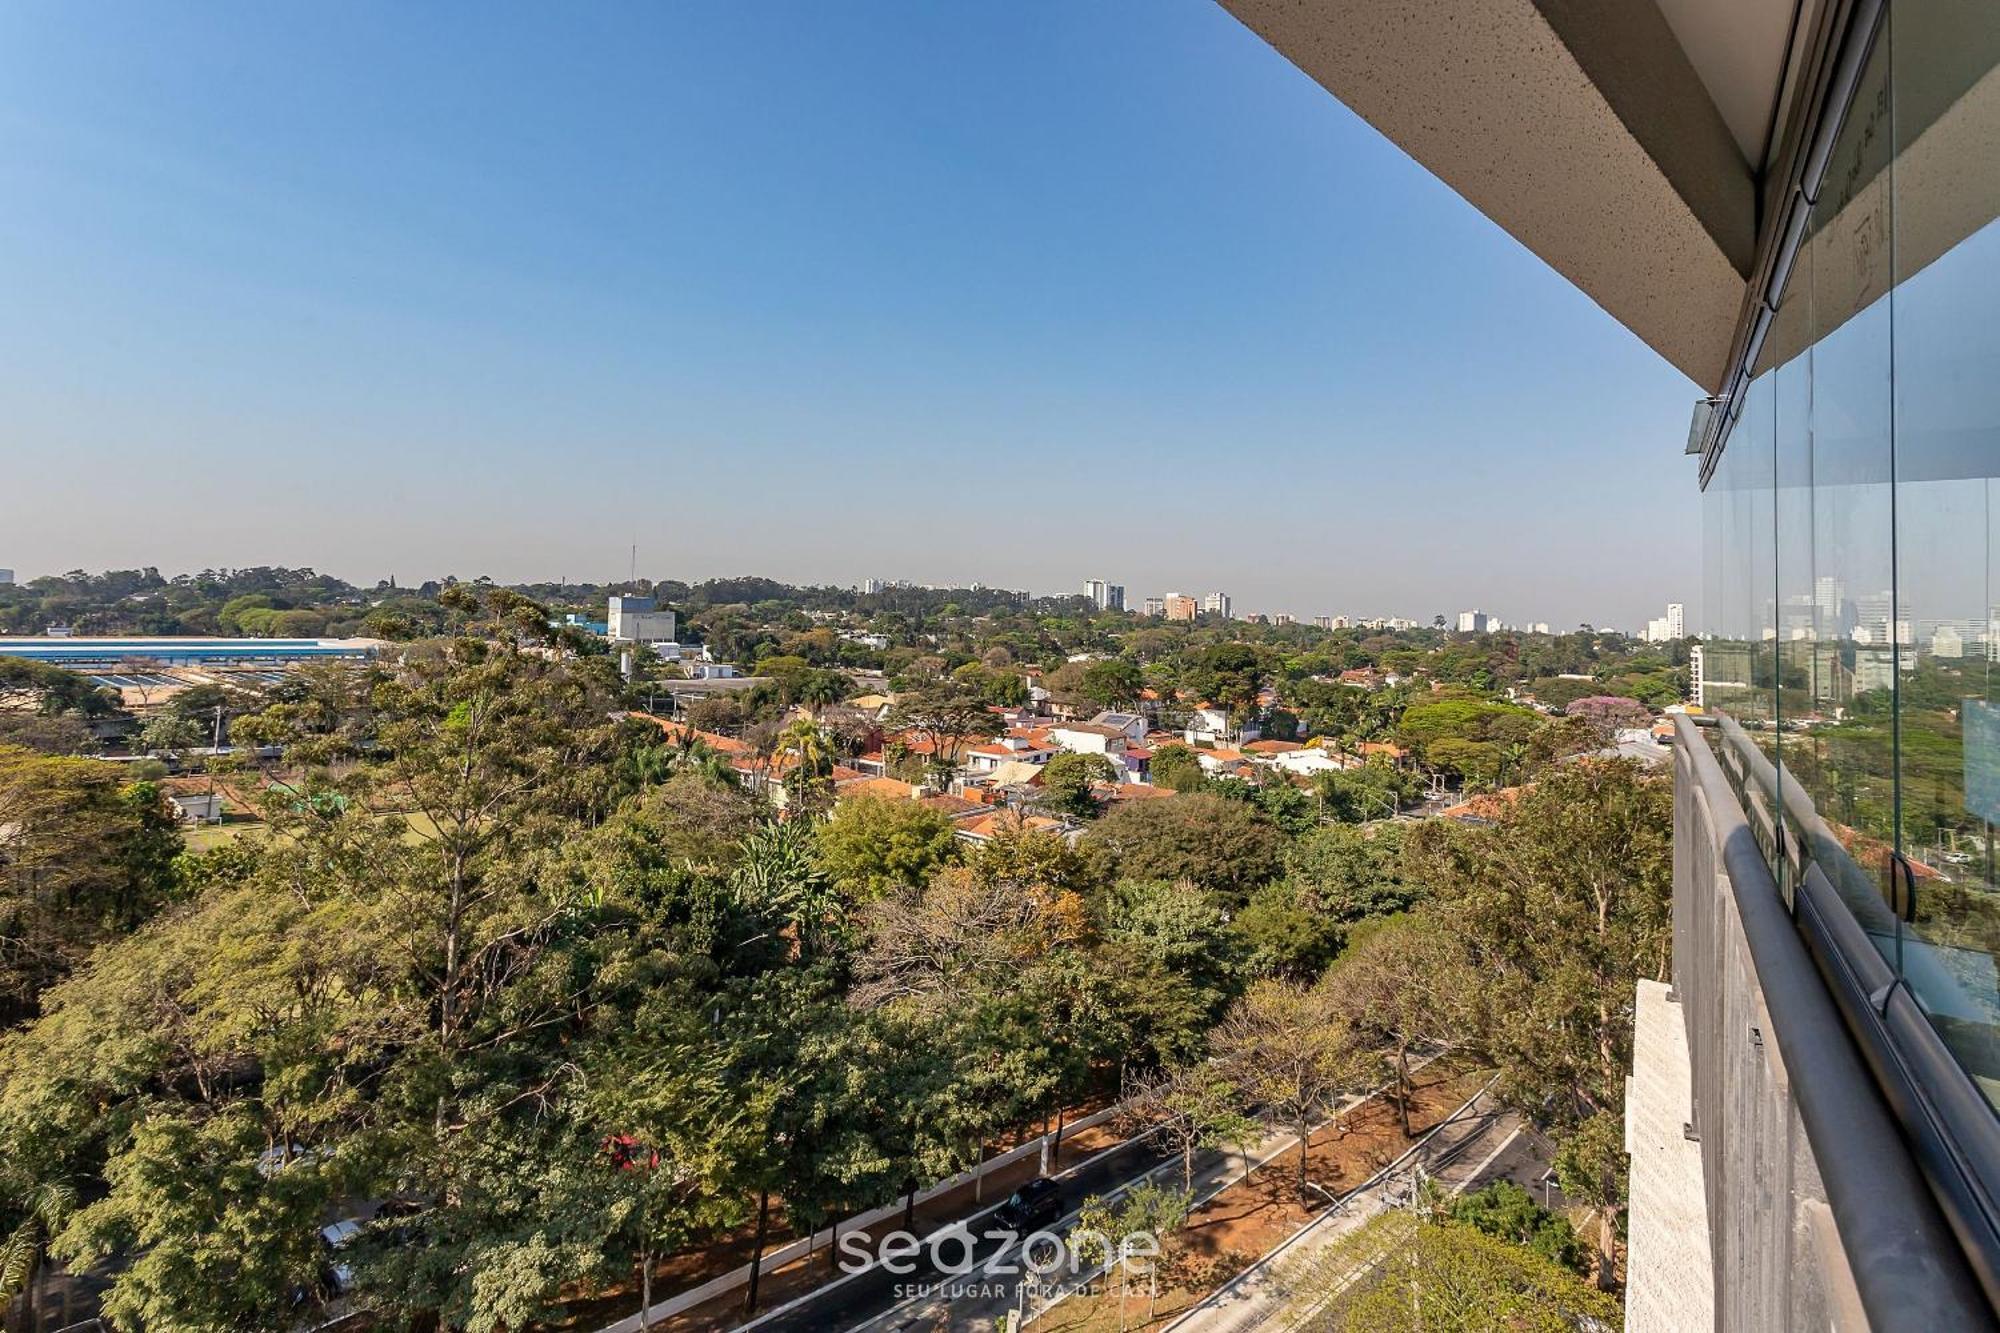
(1484, 1142)
(877, 1298)
(979, 1301)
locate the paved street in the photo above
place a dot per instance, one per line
(878, 1298)
(1481, 1144)
(978, 1301)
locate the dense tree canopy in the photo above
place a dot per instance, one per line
(540, 993)
(1224, 845)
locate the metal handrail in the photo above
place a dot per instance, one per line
(1909, 1268)
(1953, 1131)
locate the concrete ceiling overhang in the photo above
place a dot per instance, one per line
(1581, 127)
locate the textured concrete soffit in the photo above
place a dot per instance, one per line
(1656, 227)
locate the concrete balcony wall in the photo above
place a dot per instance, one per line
(1818, 1214)
(1777, 1253)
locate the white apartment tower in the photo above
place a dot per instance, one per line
(1105, 596)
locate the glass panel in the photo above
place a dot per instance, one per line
(1946, 114)
(1843, 752)
(1736, 653)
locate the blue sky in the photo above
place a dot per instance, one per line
(1011, 293)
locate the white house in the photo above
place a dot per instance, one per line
(1089, 738)
(1210, 726)
(987, 758)
(1132, 725)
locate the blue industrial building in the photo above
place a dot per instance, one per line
(101, 654)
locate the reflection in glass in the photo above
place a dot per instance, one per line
(1853, 614)
(1947, 424)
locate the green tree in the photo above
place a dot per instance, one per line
(1285, 1047)
(1586, 857)
(50, 691)
(871, 846)
(1114, 682)
(1504, 1210)
(1351, 873)
(947, 717)
(1592, 1168)
(82, 860)
(1286, 933)
(1220, 844)
(171, 735)
(1177, 767)
(1068, 780)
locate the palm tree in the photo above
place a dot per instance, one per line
(779, 875)
(47, 1209)
(811, 750)
(821, 688)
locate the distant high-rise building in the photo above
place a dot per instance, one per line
(1539, 627)
(1105, 596)
(1673, 625)
(1156, 606)
(1324, 622)
(6, 576)
(871, 585)
(1283, 618)
(1216, 604)
(1179, 606)
(1879, 620)
(1474, 622)
(1694, 675)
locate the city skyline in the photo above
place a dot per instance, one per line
(694, 277)
(1115, 597)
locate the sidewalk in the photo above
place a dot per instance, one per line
(783, 1282)
(1456, 1154)
(1218, 1175)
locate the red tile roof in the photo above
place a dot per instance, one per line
(889, 788)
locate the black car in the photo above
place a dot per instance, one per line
(1036, 1204)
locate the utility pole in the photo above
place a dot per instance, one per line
(214, 753)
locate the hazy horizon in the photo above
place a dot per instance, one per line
(1011, 296)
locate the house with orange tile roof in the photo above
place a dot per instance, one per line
(1111, 793)
(1026, 747)
(987, 827)
(891, 789)
(956, 807)
(1486, 807)
(1219, 762)
(681, 731)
